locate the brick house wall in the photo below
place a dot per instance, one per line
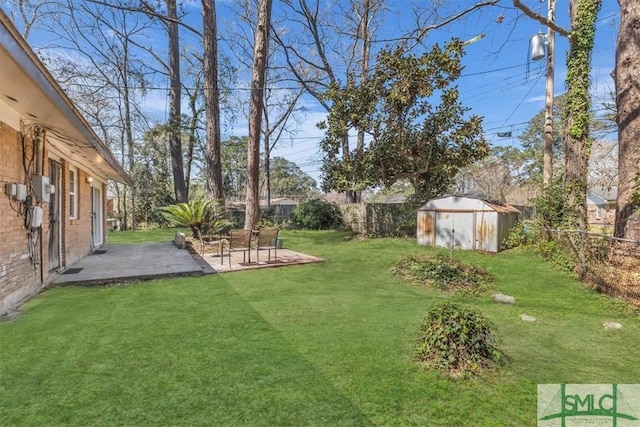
(603, 215)
(20, 277)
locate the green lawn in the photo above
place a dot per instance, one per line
(320, 344)
(165, 234)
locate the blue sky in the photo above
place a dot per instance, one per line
(498, 81)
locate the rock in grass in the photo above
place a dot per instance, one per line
(504, 299)
(612, 325)
(526, 318)
(180, 240)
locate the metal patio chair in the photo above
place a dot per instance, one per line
(239, 240)
(268, 240)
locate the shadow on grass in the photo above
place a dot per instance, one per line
(159, 353)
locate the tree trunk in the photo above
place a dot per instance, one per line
(175, 140)
(577, 140)
(267, 166)
(212, 100)
(260, 54)
(627, 75)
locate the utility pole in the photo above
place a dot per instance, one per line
(547, 173)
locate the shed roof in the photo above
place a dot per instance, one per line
(27, 87)
(466, 204)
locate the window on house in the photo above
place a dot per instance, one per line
(598, 212)
(73, 193)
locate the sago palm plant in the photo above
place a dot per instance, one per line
(194, 215)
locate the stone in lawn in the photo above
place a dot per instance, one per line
(526, 318)
(180, 240)
(504, 299)
(612, 325)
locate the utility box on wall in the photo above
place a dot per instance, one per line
(40, 184)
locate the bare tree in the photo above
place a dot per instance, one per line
(260, 55)
(28, 13)
(102, 65)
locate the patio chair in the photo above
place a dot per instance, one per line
(239, 240)
(267, 240)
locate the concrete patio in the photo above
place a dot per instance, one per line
(120, 262)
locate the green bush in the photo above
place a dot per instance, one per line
(522, 234)
(457, 340)
(316, 214)
(445, 273)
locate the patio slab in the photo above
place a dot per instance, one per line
(211, 262)
(130, 261)
(118, 262)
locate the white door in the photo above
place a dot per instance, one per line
(55, 225)
(96, 213)
(454, 229)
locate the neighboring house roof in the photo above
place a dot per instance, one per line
(27, 87)
(279, 201)
(393, 199)
(602, 195)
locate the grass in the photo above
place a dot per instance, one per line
(143, 236)
(320, 344)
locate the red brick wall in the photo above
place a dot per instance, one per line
(19, 278)
(76, 232)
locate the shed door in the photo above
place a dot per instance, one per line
(454, 228)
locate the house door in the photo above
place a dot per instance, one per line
(97, 229)
(55, 225)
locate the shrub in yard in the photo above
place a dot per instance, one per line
(316, 214)
(445, 273)
(201, 216)
(457, 340)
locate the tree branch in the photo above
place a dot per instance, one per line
(541, 19)
(425, 30)
(148, 12)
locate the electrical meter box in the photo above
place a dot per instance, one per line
(41, 187)
(21, 192)
(36, 217)
(10, 189)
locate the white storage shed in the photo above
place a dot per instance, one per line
(465, 222)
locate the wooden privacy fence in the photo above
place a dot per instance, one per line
(382, 219)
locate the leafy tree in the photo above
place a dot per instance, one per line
(288, 179)
(152, 182)
(532, 139)
(234, 166)
(413, 137)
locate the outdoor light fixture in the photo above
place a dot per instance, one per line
(90, 181)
